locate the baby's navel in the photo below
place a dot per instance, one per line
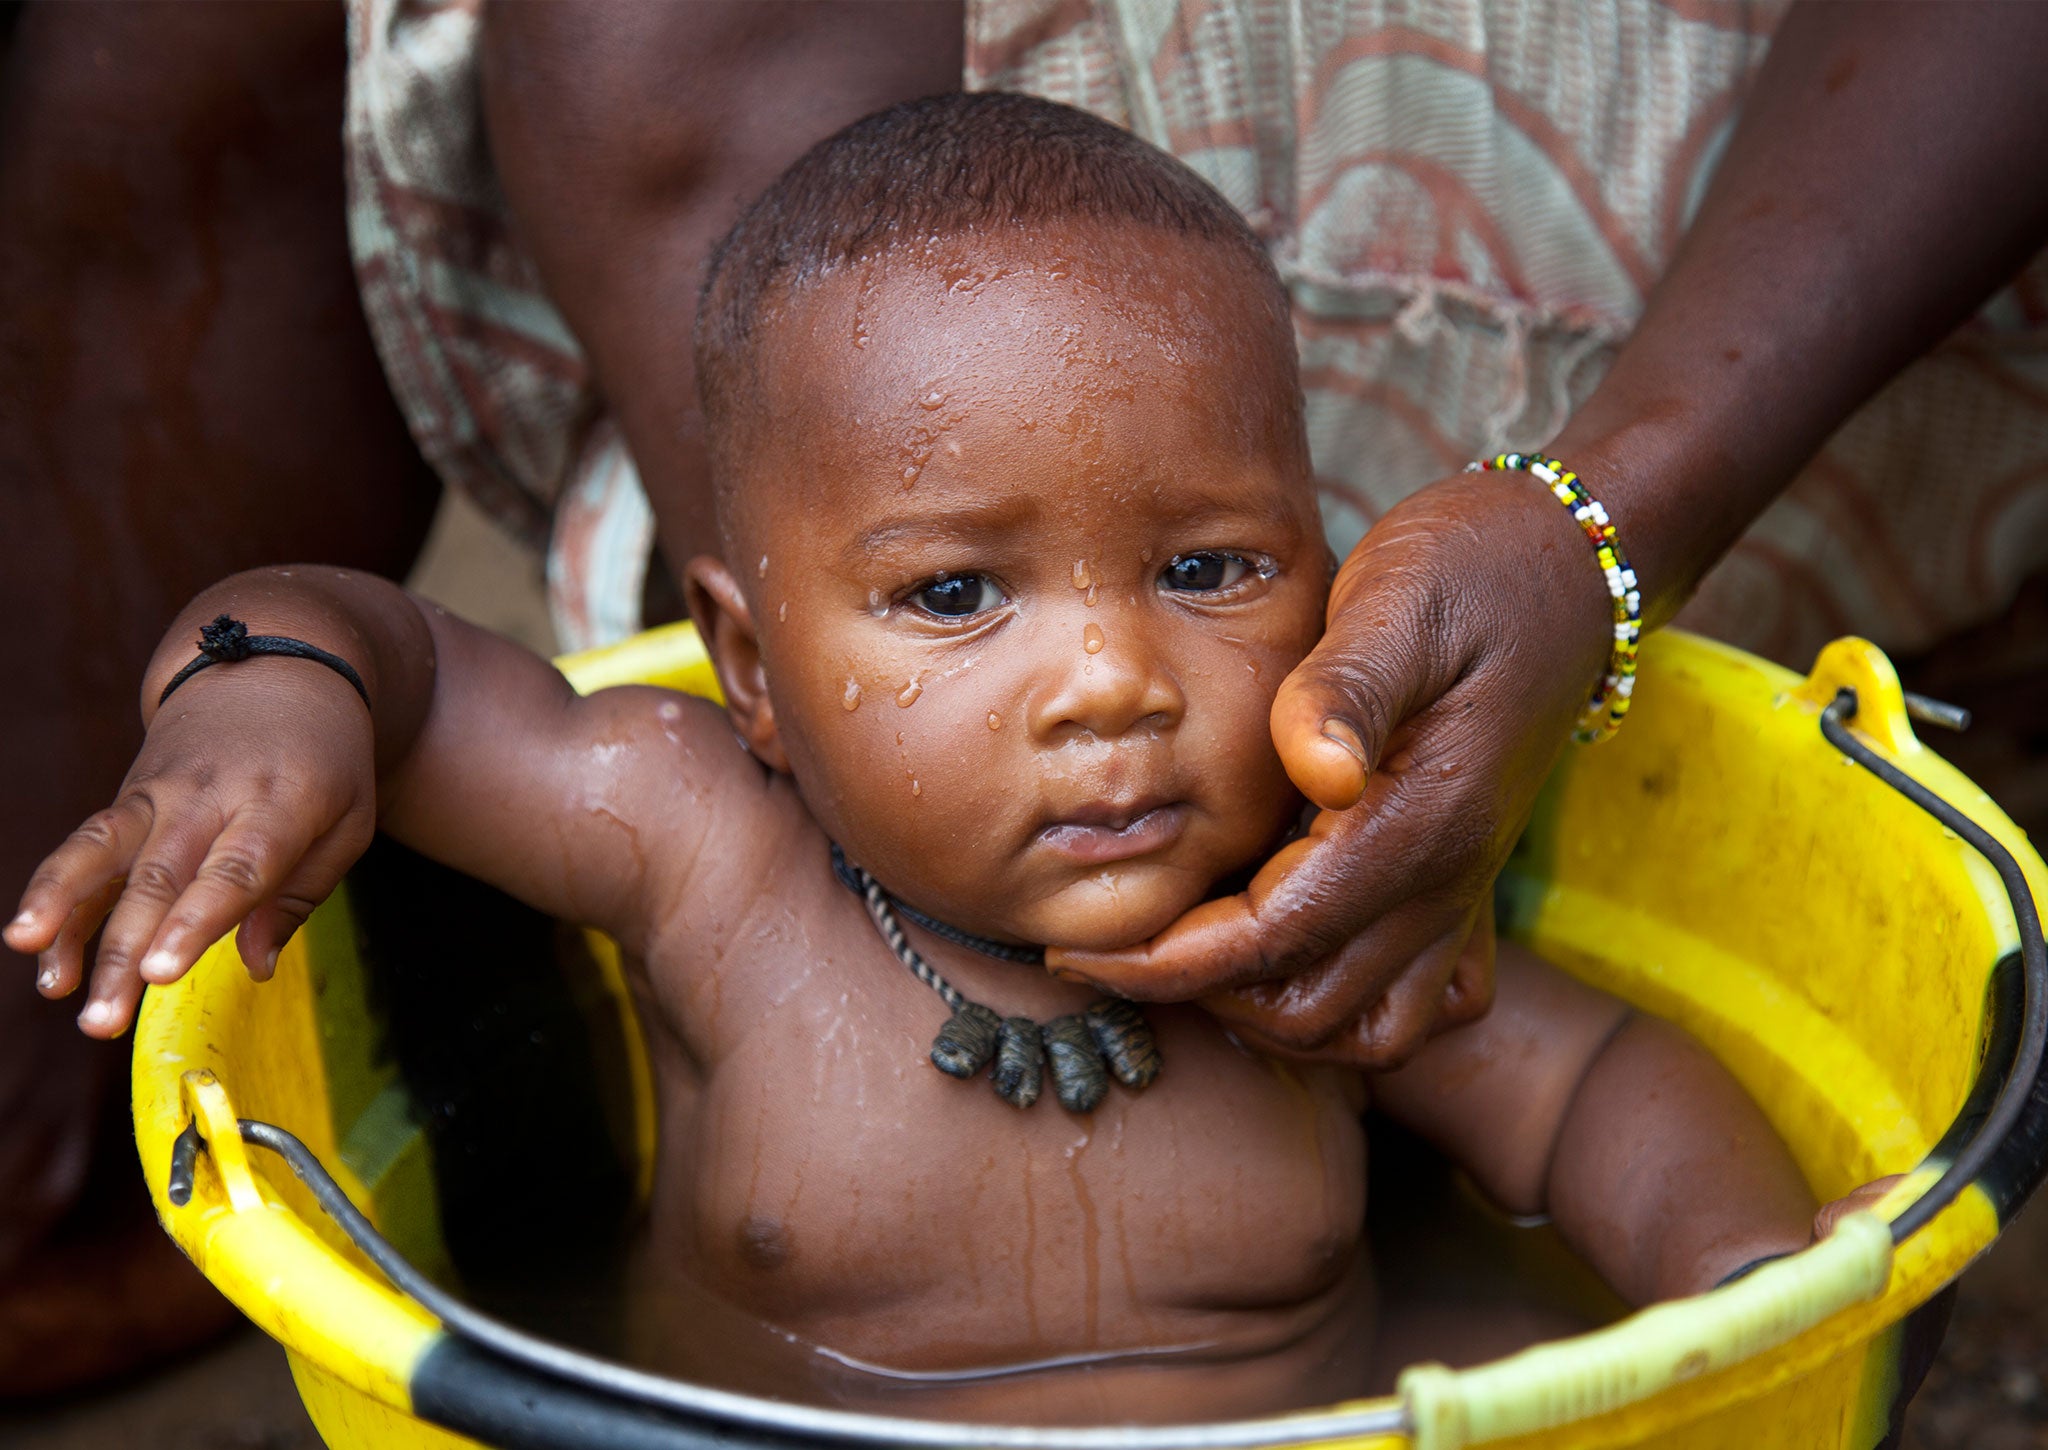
(764, 1243)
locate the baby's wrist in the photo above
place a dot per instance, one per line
(247, 700)
(227, 640)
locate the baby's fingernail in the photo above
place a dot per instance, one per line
(1337, 732)
(48, 980)
(160, 966)
(26, 918)
(96, 1014)
(269, 966)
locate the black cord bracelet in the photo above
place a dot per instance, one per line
(227, 640)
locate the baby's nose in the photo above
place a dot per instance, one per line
(1103, 678)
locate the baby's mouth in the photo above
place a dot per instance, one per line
(1096, 834)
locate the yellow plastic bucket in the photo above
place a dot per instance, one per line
(1720, 863)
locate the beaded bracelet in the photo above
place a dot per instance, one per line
(1603, 713)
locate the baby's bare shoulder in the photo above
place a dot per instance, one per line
(738, 877)
(707, 807)
(647, 801)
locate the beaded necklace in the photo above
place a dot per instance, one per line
(1082, 1049)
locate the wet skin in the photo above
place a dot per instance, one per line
(654, 122)
(1020, 519)
(1051, 736)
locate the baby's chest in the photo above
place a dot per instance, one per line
(833, 1169)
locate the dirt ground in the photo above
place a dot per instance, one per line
(1988, 1390)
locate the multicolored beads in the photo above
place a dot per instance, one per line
(1603, 714)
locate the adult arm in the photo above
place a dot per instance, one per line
(1879, 186)
(629, 137)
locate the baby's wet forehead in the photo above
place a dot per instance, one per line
(1130, 368)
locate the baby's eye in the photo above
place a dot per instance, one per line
(1203, 573)
(958, 595)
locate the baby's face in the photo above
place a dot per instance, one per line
(1029, 542)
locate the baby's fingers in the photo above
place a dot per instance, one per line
(77, 874)
(245, 867)
(266, 929)
(156, 878)
(1868, 1196)
(62, 965)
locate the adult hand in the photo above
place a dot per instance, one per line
(1465, 634)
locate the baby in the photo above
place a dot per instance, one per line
(1019, 540)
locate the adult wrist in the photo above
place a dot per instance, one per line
(1609, 702)
(1677, 506)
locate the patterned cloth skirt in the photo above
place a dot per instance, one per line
(1469, 201)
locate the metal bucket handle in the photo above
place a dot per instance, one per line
(480, 1382)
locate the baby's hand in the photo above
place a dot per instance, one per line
(1867, 1196)
(255, 790)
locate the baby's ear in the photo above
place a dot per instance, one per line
(727, 625)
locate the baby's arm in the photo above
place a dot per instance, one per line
(1647, 1155)
(261, 781)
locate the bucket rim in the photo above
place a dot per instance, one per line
(442, 1378)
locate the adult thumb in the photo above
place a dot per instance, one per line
(1333, 716)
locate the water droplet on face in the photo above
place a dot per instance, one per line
(851, 699)
(1082, 578)
(1089, 598)
(907, 696)
(761, 569)
(915, 788)
(932, 400)
(995, 721)
(1144, 556)
(782, 611)
(1091, 640)
(877, 605)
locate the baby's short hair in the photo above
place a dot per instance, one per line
(941, 166)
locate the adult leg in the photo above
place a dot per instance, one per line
(187, 388)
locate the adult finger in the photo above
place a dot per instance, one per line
(1415, 830)
(97, 853)
(1370, 1013)
(1381, 659)
(1469, 994)
(1218, 944)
